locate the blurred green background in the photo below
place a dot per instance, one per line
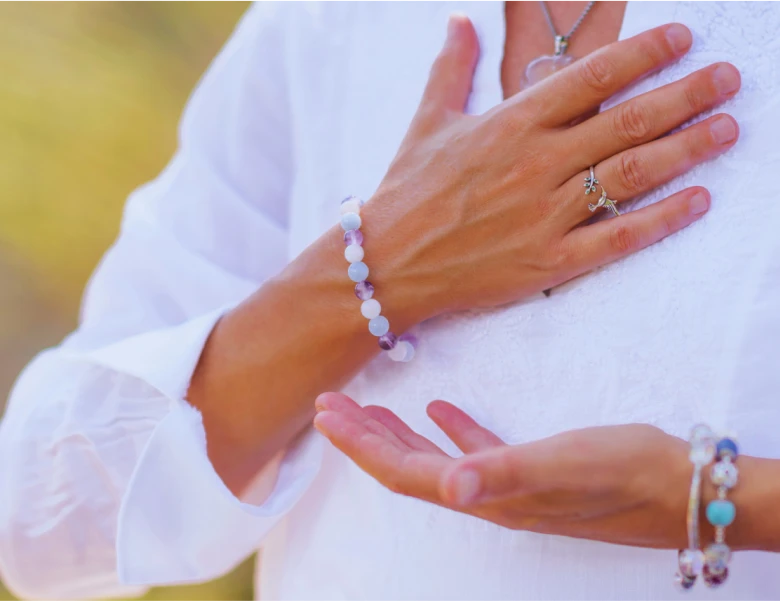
(90, 97)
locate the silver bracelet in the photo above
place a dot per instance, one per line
(690, 561)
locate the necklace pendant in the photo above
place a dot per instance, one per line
(542, 67)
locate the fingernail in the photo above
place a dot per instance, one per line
(679, 37)
(726, 79)
(319, 402)
(319, 423)
(699, 203)
(465, 486)
(452, 23)
(723, 130)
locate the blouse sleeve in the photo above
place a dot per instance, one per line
(105, 484)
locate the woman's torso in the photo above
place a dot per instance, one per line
(685, 331)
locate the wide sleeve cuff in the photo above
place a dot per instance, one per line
(180, 523)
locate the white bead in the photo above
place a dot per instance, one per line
(399, 352)
(409, 351)
(350, 206)
(354, 253)
(371, 308)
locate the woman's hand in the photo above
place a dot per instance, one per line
(619, 484)
(483, 210)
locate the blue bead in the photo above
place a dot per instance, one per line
(358, 271)
(350, 221)
(721, 513)
(727, 447)
(379, 326)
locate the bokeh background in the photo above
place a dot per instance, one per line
(90, 97)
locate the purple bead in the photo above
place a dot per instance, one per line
(353, 237)
(410, 338)
(714, 579)
(364, 290)
(388, 341)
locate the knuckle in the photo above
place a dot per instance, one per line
(694, 95)
(598, 73)
(656, 48)
(632, 172)
(632, 123)
(624, 239)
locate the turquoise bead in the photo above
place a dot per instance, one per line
(350, 221)
(721, 513)
(358, 271)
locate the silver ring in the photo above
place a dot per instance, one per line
(604, 201)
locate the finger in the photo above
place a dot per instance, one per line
(449, 83)
(603, 242)
(462, 429)
(404, 471)
(584, 85)
(641, 169)
(398, 427)
(336, 402)
(651, 115)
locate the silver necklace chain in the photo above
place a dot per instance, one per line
(562, 41)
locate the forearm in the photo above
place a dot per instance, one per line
(300, 334)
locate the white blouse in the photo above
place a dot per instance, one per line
(105, 486)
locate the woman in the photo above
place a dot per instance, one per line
(167, 438)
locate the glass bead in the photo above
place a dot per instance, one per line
(721, 512)
(684, 582)
(691, 562)
(717, 557)
(352, 198)
(714, 579)
(353, 237)
(727, 447)
(371, 308)
(351, 221)
(702, 433)
(351, 204)
(702, 452)
(358, 271)
(409, 348)
(353, 253)
(388, 341)
(724, 473)
(399, 352)
(364, 290)
(379, 326)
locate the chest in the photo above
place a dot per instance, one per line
(675, 333)
(529, 35)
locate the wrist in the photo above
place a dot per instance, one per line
(409, 292)
(755, 496)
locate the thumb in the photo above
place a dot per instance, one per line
(449, 83)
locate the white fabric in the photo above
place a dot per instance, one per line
(105, 486)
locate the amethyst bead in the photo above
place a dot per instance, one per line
(388, 341)
(410, 338)
(353, 237)
(714, 579)
(364, 290)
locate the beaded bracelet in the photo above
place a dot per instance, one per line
(398, 348)
(712, 563)
(690, 561)
(721, 512)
